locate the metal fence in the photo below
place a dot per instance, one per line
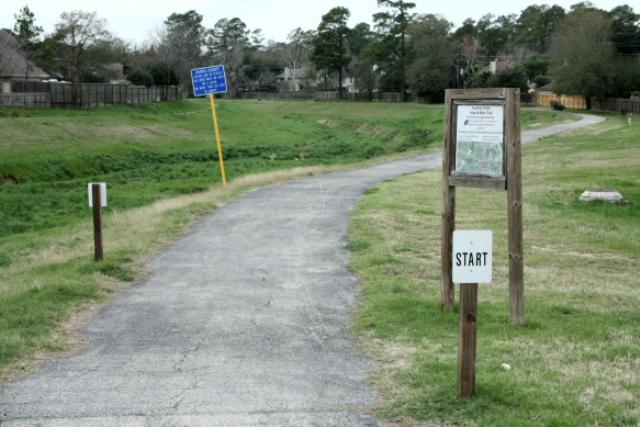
(84, 95)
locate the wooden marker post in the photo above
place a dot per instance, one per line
(467, 339)
(482, 150)
(472, 263)
(448, 214)
(514, 208)
(97, 221)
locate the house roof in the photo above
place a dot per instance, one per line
(13, 64)
(546, 88)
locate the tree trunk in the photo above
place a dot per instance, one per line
(340, 82)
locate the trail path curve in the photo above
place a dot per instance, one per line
(240, 323)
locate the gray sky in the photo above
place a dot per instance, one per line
(136, 20)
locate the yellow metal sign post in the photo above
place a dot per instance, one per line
(209, 81)
(216, 125)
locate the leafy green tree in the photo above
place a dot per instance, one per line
(330, 46)
(432, 70)
(584, 6)
(467, 28)
(359, 38)
(536, 25)
(28, 34)
(513, 77)
(496, 35)
(181, 45)
(583, 59)
(393, 25)
(625, 26)
(140, 78)
(263, 66)
(229, 43)
(362, 46)
(535, 66)
(365, 68)
(163, 75)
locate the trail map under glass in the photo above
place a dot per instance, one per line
(480, 140)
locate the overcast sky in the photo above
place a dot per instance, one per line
(136, 20)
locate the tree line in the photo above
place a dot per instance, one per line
(583, 50)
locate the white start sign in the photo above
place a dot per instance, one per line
(103, 194)
(472, 256)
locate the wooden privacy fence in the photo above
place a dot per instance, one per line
(574, 102)
(285, 95)
(85, 95)
(616, 105)
(330, 95)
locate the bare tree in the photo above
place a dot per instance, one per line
(79, 32)
(296, 53)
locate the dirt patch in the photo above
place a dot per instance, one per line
(140, 132)
(10, 179)
(119, 132)
(328, 123)
(375, 130)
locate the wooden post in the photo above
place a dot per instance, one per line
(97, 222)
(467, 340)
(514, 201)
(448, 213)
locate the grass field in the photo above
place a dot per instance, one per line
(159, 163)
(576, 361)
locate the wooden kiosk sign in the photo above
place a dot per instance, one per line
(481, 150)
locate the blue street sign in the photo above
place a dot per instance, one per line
(209, 80)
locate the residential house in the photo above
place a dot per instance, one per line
(13, 64)
(290, 80)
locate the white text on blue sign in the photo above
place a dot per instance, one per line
(209, 80)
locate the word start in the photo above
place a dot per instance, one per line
(471, 259)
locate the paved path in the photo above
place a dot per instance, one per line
(240, 323)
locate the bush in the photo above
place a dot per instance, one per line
(140, 78)
(541, 80)
(513, 77)
(480, 79)
(557, 105)
(163, 75)
(93, 77)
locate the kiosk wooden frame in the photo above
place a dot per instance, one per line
(511, 181)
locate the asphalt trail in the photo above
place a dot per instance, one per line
(241, 323)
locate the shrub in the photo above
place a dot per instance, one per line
(163, 75)
(513, 77)
(557, 105)
(541, 80)
(93, 77)
(140, 78)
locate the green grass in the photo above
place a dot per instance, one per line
(160, 164)
(163, 150)
(576, 361)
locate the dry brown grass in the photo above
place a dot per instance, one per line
(136, 228)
